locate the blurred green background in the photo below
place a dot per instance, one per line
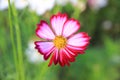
(101, 61)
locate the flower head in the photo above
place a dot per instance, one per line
(60, 41)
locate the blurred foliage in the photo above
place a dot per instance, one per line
(101, 61)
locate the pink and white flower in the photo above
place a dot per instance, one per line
(60, 40)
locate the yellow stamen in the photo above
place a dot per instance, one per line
(59, 42)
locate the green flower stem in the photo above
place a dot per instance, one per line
(13, 43)
(19, 44)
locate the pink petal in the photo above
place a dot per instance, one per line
(76, 50)
(57, 22)
(79, 40)
(63, 60)
(51, 60)
(55, 57)
(71, 52)
(44, 31)
(70, 27)
(45, 48)
(46, 56)
(65, 56)
(69, 56)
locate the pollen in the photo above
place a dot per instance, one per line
(59, 42)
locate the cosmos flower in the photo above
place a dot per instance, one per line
(60, 40)
(41, 6)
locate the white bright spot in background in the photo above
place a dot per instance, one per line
(32, 54)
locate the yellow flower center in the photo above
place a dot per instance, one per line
(59, 42)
